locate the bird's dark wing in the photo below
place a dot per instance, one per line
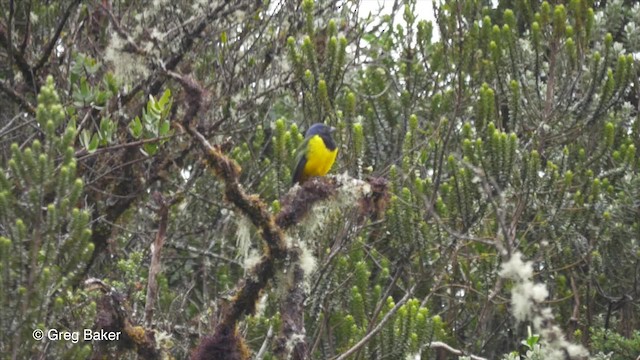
(301, 161)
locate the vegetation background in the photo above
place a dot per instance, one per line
(488, 207)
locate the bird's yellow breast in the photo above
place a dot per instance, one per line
(319, 158)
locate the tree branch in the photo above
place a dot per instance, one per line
(18, 98)
(444, 346)
(292, 342)
(56, 35)
(156, 251)
(21, 62)
(295, 207)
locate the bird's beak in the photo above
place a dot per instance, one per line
(332, 129)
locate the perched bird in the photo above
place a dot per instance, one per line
(316, 154)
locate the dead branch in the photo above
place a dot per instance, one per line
(451, 350)
(156, 251)
(225, 339)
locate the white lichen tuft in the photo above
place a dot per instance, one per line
(243, 236)
(521, 303)
(251, 260)
(294, 340)
(238, 16)
(157, 34)
(261, 306)
(516, 269)
(539, 293)
(526, 300)
(163, 339)
(313, 222)
(159, 3)
(308, 261)
(576, 351)
(33, 17)
(147, 46)
(349, 193)
(202, 7)
(525, 294)
(127, 67)
(352, 189)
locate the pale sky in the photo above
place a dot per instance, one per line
(424, 8)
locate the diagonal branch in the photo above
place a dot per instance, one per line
(18, 98)
(251, 206)
(21, 62)
(388, 316)
(226, 340)
(156, 251)
(451, 350)
(54, 39)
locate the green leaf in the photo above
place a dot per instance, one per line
(164, 129)
(111, 82)
(369, 37)
(152, 106)
(166, 97)
(107, 128)
(135, 127)
(102, 97)
(150, 148)
(85, 138)
(83, 94)
(93, 145)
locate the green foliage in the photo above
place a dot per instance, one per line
(505, 143)
(319, 65)
(405, 333)
(154, 124)
(88, 92)
(620, 347)
(507, 127)
(318, 61)
(44, 240)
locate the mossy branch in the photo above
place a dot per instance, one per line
(300, 202)
(251, 206)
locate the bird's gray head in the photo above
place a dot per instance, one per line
(324, 131)
(319, 129)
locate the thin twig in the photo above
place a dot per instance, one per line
(448, 348)
(156, 251)
(7, 129)
(84, 153)
(265, 344)
(18, 98)
(379, 327)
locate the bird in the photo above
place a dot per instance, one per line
(316, 154)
